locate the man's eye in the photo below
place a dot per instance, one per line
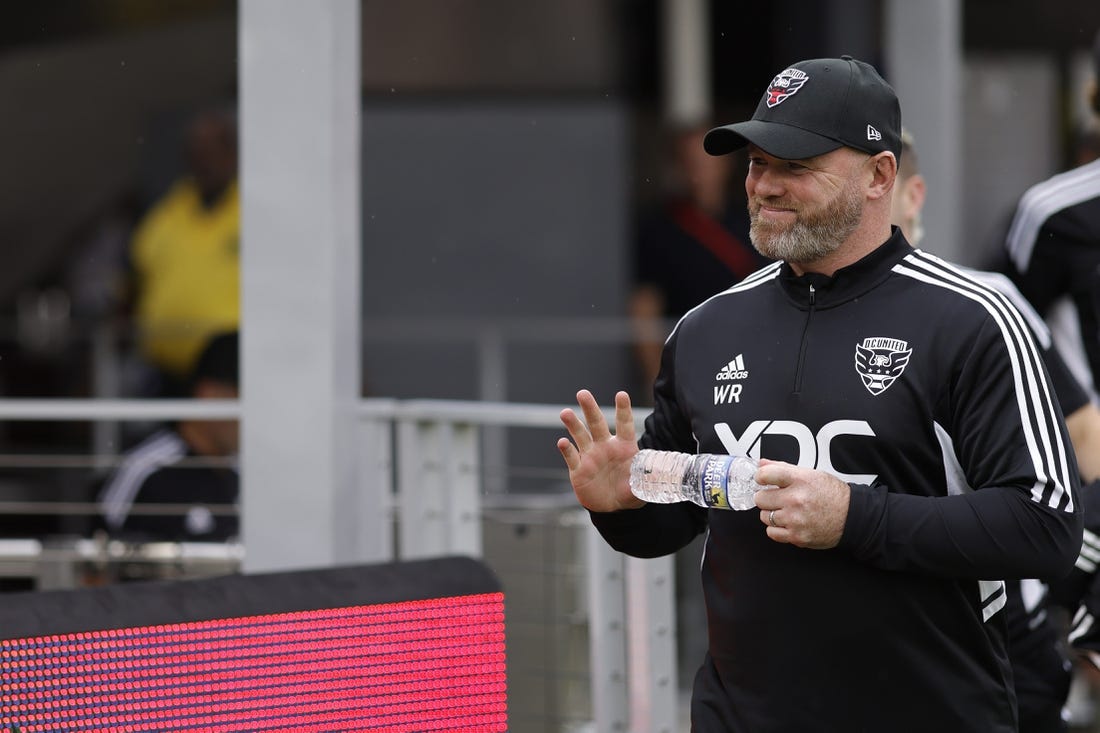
(795, 167)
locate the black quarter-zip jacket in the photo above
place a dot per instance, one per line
(922, 389)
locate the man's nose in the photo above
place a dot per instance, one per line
(768, 183)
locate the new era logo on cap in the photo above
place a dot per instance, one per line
(814, 107)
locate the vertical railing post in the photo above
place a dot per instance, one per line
(462, 476)
(606, 633)
(492, 363)
(439, 510)
(421, 501)
(651, 638)
(369, 510)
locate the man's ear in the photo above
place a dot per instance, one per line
(884, 171)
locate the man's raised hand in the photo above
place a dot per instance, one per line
(599, 462)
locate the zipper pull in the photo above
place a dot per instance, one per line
(812, 294)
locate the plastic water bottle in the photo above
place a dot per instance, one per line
(707, 479)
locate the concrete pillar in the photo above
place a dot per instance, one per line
(924, 63)
(687, 80)
(300, 183)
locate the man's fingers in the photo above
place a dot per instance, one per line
(780, 534)
(569, 453)
(775, 473)
(624, 417)
(577, 429)
(597, 423)
(767, 500)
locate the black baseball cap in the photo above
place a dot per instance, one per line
(817, 106)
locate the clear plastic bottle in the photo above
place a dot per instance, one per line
(707, 479)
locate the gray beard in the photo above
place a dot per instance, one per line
(812, 236)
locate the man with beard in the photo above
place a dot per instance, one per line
(902, 417)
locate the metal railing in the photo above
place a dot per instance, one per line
(603, 624)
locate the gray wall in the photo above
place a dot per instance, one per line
(1011, 142)
(483, 224)
(476, 215)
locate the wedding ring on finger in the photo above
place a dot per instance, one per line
(771, 518)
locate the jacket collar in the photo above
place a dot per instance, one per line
(847, 282)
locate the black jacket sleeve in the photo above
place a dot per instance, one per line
(1080, 592)
(1072, 590)
(993, 533)
(652, 531)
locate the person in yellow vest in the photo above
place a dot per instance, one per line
(185, 254)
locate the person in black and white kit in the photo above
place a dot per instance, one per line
(1053, 248)
(903, 412)
(192, 464)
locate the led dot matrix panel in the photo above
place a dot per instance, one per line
(413, 647)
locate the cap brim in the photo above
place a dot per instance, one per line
(774, 138)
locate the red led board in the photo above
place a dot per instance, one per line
(435, 662)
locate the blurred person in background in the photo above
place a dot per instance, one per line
(693, 244)
(1053, 253)
(1086, 148)
(185, 256)
(1041, 664)
(191, 463)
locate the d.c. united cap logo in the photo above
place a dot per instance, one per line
(816, 106)
(785, 83)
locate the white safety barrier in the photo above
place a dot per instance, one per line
(423, 462)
